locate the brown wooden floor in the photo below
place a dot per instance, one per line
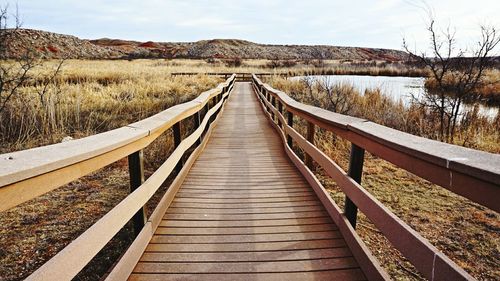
(246, 213)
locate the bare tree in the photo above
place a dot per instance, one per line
(455, 74)
(338, 95)
(13, 74)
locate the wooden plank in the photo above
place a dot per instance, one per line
(345, 274)
(244, 230)
(247, 200)
(244, 205)
(244, 211)
(231, 217)
(248, 247)
(245, 238)
(227, 187)
(242, 223)
(210, 195)
(309, 254)
(245, 184)
(247, 267)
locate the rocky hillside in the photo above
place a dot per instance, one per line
(52, 45)
(233, 48)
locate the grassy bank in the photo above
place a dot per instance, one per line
(466, 232)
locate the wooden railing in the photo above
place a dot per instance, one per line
(470, 173)
(30, 173)
(240, 76)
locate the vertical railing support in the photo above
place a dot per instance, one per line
(267, 99)
(177, 142)
(136, 174)
(355, 172)
(206, 108)
(273, 103)
(310, 138)
(280, 110)
(290, 123)
(197, 122)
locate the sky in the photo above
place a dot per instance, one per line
(361, 23)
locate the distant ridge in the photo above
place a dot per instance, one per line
(53, 45)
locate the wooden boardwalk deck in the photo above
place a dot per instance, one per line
(245, 212)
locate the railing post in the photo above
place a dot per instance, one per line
(355, 171)
(177, 141)
(273, 103)
(280, 110)
(290, 123)
(197, 122)
(310, 138)
(206, 108)
(136, 174)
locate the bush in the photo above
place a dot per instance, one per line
(234, 62)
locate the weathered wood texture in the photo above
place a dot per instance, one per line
(244, 212)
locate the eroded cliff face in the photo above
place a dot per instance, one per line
(51, 45)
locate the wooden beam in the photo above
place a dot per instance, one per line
(136, 174)
(355, 172)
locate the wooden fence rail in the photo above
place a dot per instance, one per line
(470, 173)
(30, 173)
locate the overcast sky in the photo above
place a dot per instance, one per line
(365, 23)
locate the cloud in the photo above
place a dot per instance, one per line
(207, 22)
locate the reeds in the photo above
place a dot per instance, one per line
(89, 97)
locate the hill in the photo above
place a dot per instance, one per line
(52, 45)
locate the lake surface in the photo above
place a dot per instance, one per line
(399, 88)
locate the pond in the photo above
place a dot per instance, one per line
(397, 87)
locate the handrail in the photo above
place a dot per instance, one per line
(58, 164)
(30, 173)
(461, 169)
(470, 173)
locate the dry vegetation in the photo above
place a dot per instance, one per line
(466, 232)
(89, 97)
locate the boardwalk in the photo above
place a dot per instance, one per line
(245, 206)
(245, 213)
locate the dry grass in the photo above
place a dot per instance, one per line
(91, 97)
(487, 93)
(466, 232)
(88, 97)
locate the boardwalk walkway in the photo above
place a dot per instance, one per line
(245, 213)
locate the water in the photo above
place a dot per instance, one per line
(399, 88)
